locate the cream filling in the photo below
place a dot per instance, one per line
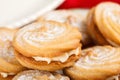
(4, 75)
(61, 58)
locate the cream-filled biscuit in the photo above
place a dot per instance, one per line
(47, 45)
(8, 63)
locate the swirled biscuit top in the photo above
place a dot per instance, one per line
(39, 75)
(99, 63)
(107, 18)
(46, 39)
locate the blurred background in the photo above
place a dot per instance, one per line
(17, 13)
(82, 3)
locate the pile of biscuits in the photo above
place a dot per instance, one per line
(64, 45)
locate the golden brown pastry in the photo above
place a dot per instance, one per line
(96, 63)
(107, 19)
(93, 30)
(47, 45)
(8, 63)
(105, 23)
(39, 75)
(74, 17)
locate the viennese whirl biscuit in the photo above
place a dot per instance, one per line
(47, 45)
(96, 63)
(8, 63)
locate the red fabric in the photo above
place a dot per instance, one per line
(82, 3)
